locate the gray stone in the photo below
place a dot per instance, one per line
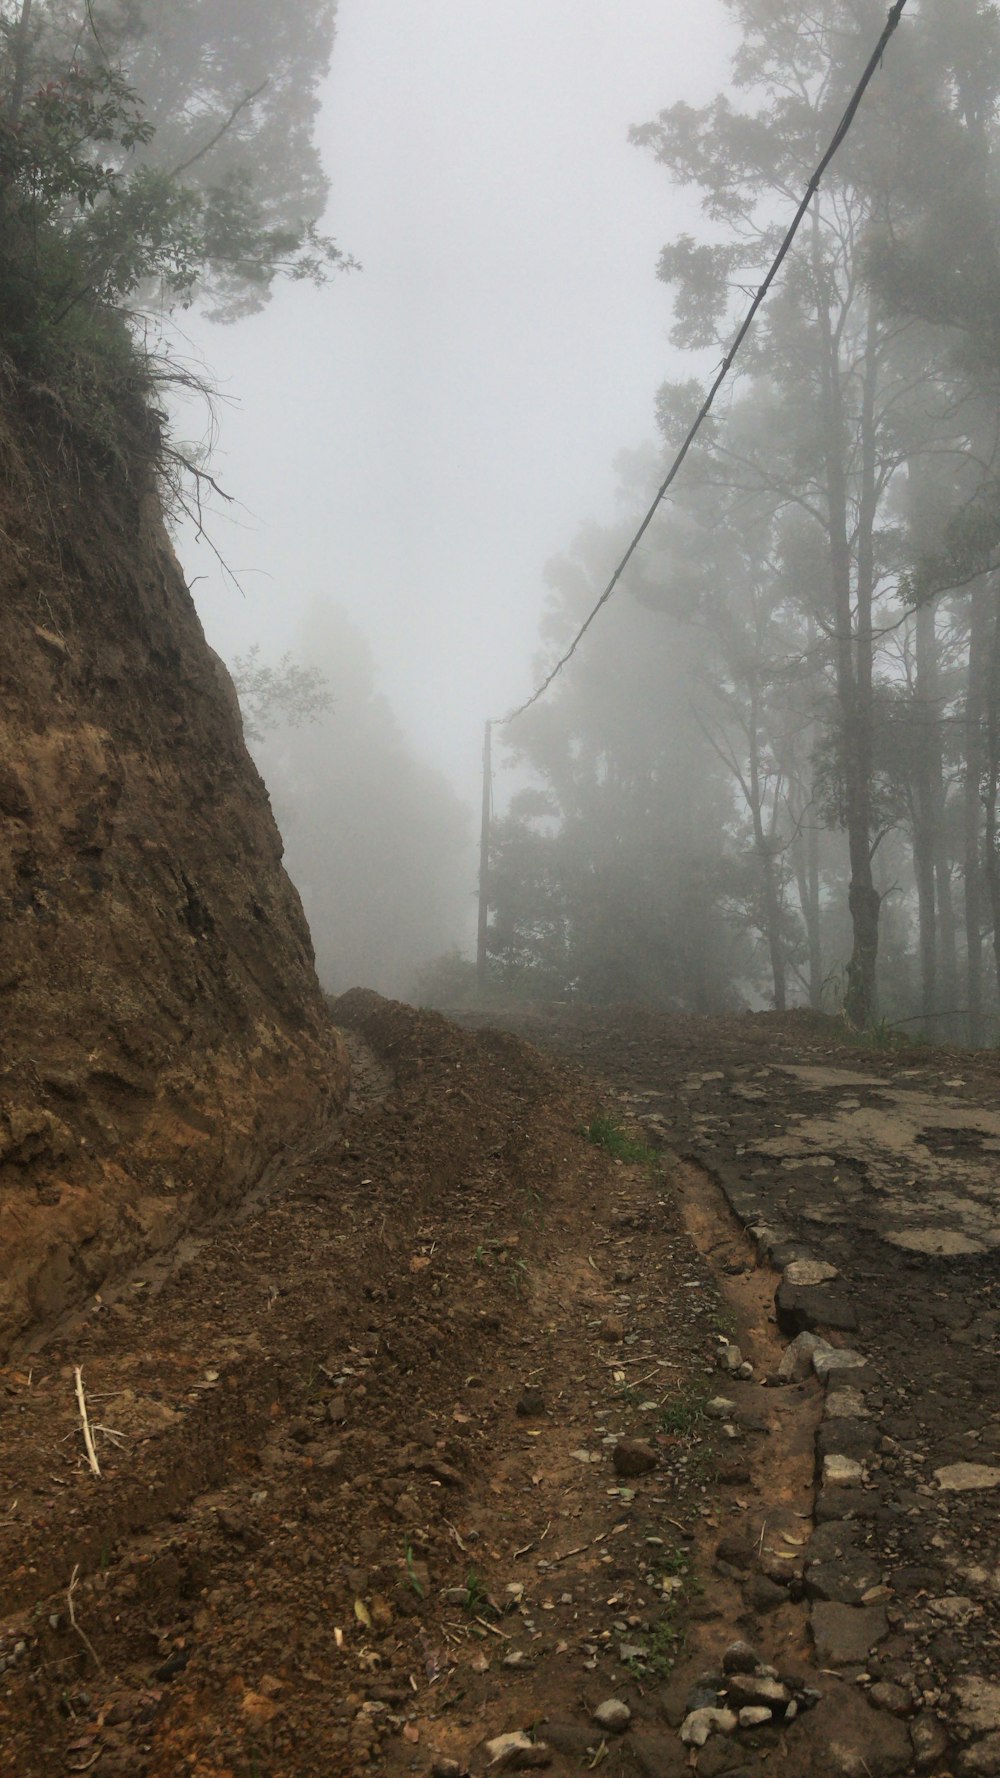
(845, 1581)
(959, 1478)
(740, 1658)
(841, 1472)
(981, 1760)
(845, 1634)
(852, 1438)
(885, 1695)
(928, 1740)
(837, 1358)
(845, 1503)
(802, 1307)
(942, 1243)
(977, 1704)
(753, 1688)
(753, 1716)
(613, 1716)
(696, 1728)
(845, 1404)
(797, 1359)
(810, 1271)
(516, 1752)
(720, 1408)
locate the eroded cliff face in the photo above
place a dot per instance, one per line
(162, 1033)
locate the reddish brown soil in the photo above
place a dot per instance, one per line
(308, 1435)
(162, 1032)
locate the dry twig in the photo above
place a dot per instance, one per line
(88, 1437)
(84, 1638)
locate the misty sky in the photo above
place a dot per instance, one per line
(417, 441)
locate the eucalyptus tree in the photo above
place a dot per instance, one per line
(212, 178)
(832, 356)
(627, 880)
(937, 260)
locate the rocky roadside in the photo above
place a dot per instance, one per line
(865, 1187)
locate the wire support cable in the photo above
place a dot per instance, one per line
(841, 131)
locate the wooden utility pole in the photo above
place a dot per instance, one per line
(484, 859)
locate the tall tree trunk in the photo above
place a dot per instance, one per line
(804, 850)
(852, 605)
(764, 846)
(22, 44)
(814, 924)
(947, 924)
(991, 846)
(923, 810)
(972, 805)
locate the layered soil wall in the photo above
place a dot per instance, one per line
(162, 1033)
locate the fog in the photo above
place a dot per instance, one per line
(771, 776)
(413, 443)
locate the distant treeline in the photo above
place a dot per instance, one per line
(772, 772)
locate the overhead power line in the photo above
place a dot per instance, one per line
(844, 125)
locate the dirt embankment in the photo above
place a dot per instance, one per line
(161, 1028)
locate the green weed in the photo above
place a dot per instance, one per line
(478, 1601)
(517, 1276)
(412, 1573)
(682, 1414)
(607, 1133)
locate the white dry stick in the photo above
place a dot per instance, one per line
(88, 1437)
(84, 1638)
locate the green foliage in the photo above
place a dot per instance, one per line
(607, 1133)
(478, 1601)
(94, 213)
(664, 1646)
(682, 1414)
(274, 697)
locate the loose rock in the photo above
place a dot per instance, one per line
(530, 1401)
(696, 1728)
(810, 1271)
(841, 1472)
(797, 1358)
(613, 1716)
(740, 1658)
(517, 1753)
(633, 1456)
(959, 1478)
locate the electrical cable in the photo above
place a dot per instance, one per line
(844, 125)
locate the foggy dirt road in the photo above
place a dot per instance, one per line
(465, 1429)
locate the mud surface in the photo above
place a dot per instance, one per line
(883, 1167)
(465, 1428)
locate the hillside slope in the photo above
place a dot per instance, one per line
(161, 1028)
